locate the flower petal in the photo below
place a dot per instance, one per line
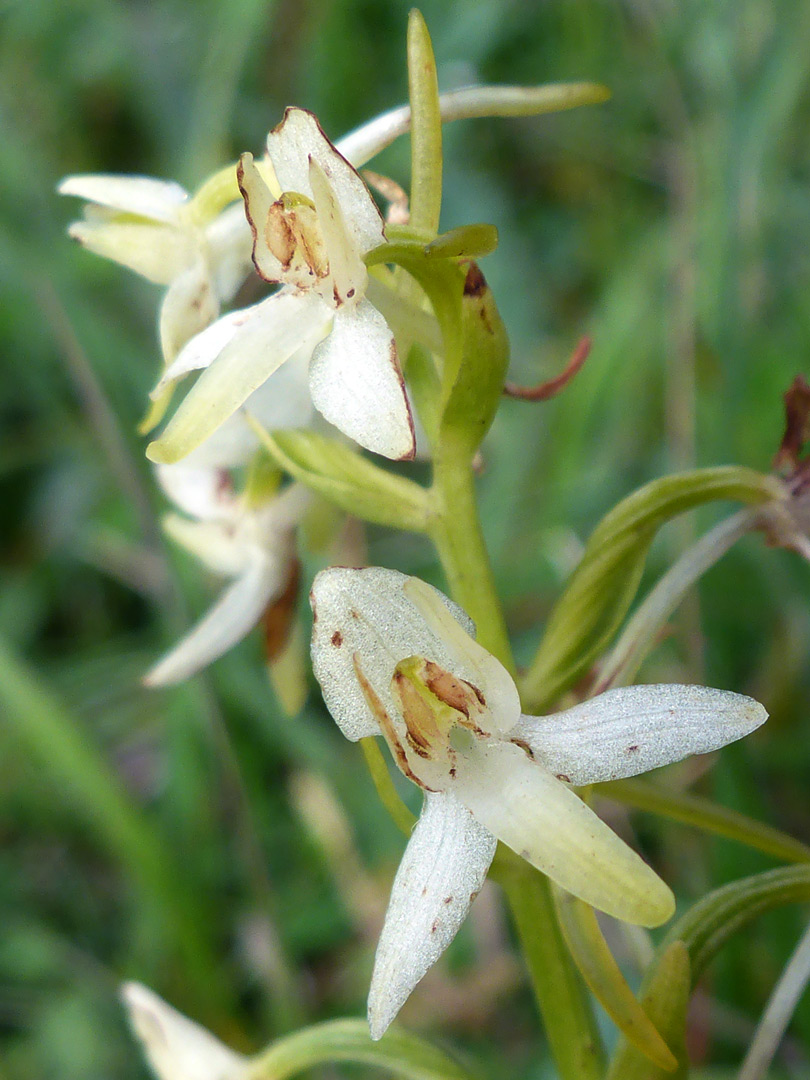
(188, 307)
(356, 383)
(441, 872)
(218, 545)
(204, 493)
(492, 680)
(552, 828)
(347, 270)
(230, 245)
(232, 617)
(258, 201)
(631, 729)
(157, 200)
(157, 252)
(205, 347)
(291, 145)
(175, 1047)
(272, 333)
(366, 612)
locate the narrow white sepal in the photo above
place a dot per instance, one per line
(549, 826)
(175, 1047)
(156, 200)
(203, 349)
(441, 872)
(156, 251)
(232, 617)
(276, 329)
(367, 612)
(356, 383)
(633, 729)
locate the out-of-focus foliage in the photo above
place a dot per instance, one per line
(672, 225)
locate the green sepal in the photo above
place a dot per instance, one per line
(397, 1053)
(603, 978)
(665, 999)
(347, 479)
(604, 584)
(476, 347)
(472, 392)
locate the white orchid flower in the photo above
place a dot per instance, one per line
(394, 657)
(193, 244)
(310, 237)
(175, 1047)
(252, 545)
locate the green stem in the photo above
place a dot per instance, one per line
(560, 994)
(455, 529)
(561, 997)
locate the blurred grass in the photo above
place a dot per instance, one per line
(671, 224)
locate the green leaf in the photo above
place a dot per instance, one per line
(606, 982)
(347, 479)
(604, 584)
(397, 1053)
(91, 792)
(665, 999)
(709, 923)
(704, 814)
(426, 127)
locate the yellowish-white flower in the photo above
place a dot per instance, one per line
(199, 246)
(175, 1047)
(394, 657)
(253, 545)
(310, 237)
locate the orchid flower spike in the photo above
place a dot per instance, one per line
(175, 1047)
(310, 237)
(252, 545)
(198, 246)
(394, 657)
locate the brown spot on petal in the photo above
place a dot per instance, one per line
(337, 639)
(563, 777)
(631, 750)
(448, 900)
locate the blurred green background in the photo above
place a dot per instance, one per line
(236, 861)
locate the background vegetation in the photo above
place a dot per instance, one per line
(239, 862)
